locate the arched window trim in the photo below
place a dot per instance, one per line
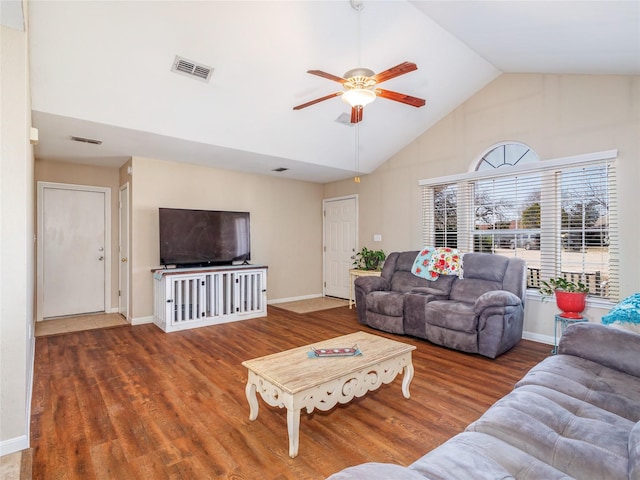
(477, 163)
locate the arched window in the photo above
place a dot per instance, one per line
(508, 154)
(507, 207)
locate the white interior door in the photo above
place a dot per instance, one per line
(123, 298)
(73, 249)
(340, 242)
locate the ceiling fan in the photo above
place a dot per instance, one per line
(360, 88)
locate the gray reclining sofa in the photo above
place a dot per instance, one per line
(482, 312)
(575, 415)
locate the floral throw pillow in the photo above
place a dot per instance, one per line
(420, 266)
(446, 261)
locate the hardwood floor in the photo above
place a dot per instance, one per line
(134, 402)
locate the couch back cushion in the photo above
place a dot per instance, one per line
(405, 260)
(397, 270)
(485, 266)
(404, 282)
(468, 290)
(484, 272)
(396, 261)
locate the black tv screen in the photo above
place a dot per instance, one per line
(203, 237)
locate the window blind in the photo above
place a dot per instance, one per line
(560, 216)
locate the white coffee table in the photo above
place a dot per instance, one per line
(291, 380)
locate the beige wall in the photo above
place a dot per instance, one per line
(555, 115)
(73, 173)
(16, 243)
(286, 223)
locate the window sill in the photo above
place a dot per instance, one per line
(593, 302)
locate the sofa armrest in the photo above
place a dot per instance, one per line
(608, 346)
(372, 284)
(496, 298)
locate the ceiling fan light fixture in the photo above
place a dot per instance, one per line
(358, 97)
(359, 72)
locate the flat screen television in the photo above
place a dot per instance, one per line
(197, 238)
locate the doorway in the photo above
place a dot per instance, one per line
(73, 249)
(340, 229)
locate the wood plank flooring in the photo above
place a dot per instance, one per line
(136, 403)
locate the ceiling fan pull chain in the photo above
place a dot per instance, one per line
(356, 177)
(358, 6)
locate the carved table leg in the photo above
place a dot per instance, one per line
(293, 427)
(406, 380)
(252, 398)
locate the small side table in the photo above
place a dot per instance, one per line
(563, 323)
(355, 273)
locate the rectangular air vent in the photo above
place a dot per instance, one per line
(86, 140)
(192, 69)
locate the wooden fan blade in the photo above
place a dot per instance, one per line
(400, 97)
(356, 114)
(396, 71)
(317, 100)
(326, 75)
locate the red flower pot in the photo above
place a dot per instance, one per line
(572, 304)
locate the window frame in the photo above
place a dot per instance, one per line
(464, 186)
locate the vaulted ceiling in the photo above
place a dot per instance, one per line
(102, 70)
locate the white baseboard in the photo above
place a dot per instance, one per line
(141, 320)
(538, 337)
(293, 299)
(14, 445)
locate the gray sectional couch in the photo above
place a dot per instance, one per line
(574, 415)
(483, 312)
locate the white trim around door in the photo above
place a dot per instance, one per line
(41, 187)
(339, 240)
(124, 253)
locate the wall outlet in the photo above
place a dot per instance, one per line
(377, 237)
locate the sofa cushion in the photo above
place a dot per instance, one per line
(592, 382)
(452, 315)
(614, 348)
(405, 260)
(573, 436)
(404, 282)
(386, 303)
(376, 471)
(485, 266)
(634, 453)
(386, 323)
(469, 289)
(482, 457)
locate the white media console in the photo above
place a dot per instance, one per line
(197, 297)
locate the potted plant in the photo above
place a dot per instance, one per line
(367, 259)
(571, 297)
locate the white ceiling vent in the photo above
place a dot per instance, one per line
(192, 69)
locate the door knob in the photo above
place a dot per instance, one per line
(124, 260)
